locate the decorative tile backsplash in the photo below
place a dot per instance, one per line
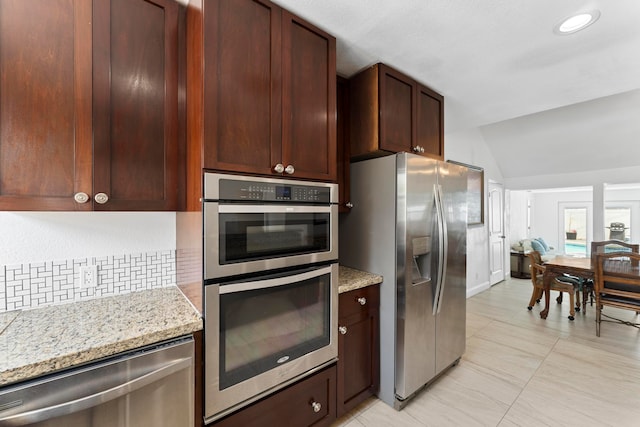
(56, 282)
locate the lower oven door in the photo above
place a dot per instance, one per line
(262, 334)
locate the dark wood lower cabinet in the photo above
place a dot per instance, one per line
(309, 402)
(358, 347)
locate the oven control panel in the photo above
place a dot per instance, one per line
(230, 189)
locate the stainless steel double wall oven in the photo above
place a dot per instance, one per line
(271, 285)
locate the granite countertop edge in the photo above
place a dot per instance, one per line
(350, 279)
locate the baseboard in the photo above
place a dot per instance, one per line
(477, 289)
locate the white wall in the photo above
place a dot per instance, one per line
(42, 236)
(546, 209)
(517, 220)
(468, 147)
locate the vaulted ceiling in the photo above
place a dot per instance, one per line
(544, 103)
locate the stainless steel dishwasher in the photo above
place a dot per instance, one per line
(153, 386)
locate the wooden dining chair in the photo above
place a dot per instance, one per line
(560, 284)
(617, 284)
(602, 247)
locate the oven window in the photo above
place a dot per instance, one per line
(251, 236)
(264, 328)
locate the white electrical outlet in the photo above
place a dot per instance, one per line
(88, 276)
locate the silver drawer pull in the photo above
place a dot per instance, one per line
(342, 330)
(362, 300)
(316, 406)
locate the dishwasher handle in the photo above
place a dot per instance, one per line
(76, 405)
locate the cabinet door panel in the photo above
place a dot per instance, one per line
(396, 111)
(309, 100)
(136, 103)
(358, 347)
(45, 109)
(242, 93)
(357, 369)
(430, 123)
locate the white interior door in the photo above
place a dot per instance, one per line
(497, 236)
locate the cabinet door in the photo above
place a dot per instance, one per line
(45, 104)
(242, 86)
(308, 100)
(358, 348)
(430, 123)
(397, 104)
(135, 107)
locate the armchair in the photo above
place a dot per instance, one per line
(617, 283)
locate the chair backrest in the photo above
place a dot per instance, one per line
(536, 266)
(607, 246)
(617, 279)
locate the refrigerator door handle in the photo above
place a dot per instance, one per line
(444, 246)
(441, 236)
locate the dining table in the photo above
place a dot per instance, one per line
(565, 264)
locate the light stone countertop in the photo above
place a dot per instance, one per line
(350, 279)
(45, 340)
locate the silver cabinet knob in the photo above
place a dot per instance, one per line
(279, 168)
(349, 205)
(362, 300)
(316, 406)
(81, 197)
(342, 330)
(416, 149)
(101, 198)
(422, 149)
(289, 169)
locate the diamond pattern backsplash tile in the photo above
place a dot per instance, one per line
(39, 284)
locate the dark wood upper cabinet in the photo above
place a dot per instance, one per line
(45, 104)
(390, 113)
(269, 90)
(430, 122)
(135, 103)
(309, 100)
(89, 104)
(242, 86)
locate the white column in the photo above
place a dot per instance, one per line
(598, 212)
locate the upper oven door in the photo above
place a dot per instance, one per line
(242, 238)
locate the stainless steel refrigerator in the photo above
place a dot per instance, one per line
(409, 224)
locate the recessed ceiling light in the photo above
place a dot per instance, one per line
(576, 22)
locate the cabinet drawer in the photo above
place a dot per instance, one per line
(351, 302)
(292, 406)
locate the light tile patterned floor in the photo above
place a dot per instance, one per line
(520, 370)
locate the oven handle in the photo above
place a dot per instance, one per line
(284, 279)
(242, 208)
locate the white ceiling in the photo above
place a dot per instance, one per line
(545, 104)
